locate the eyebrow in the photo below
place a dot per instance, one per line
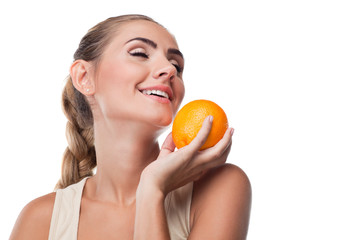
(145, 40)
(154, 45)
(175, 51)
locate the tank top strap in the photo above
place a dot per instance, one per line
(66, 212)
(65, 216)
(177, 208)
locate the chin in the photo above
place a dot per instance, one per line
(162, 117)
(164, 121)
(161, 126)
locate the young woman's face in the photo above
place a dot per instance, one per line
(139, 77)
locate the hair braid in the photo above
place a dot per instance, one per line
(79, 158)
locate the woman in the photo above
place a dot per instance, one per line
(139, 191)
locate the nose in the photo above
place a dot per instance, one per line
(165, 72)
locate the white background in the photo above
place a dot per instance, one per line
(286, 73)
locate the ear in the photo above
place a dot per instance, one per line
(80, 75)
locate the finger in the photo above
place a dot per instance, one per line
(220, 160)
(207, 162)
(224, 142)
(202, 135)
(217, 151)
(168, 146)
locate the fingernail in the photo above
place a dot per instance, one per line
(211, 118)
(232, 131)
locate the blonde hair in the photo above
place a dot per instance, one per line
(79, 158)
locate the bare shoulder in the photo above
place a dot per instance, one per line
(221, 204)
(34, 220)
(224, 175)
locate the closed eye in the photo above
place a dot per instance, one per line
(178, 68)
(176, 64)
(139, 54)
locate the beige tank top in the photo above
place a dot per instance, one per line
(65, 217)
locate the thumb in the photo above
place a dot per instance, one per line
(168, 146)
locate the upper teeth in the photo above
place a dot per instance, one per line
(157, 92)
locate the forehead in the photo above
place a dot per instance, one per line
(146, 29)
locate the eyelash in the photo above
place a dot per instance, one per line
(144, 55)
(139, 54)
(178, 68)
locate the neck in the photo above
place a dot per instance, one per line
(122, 153)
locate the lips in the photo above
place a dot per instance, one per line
(159, 91)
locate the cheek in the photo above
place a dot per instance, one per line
(179, 89)
(113, 74)
(115, 85)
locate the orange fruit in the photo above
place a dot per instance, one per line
(190, 118)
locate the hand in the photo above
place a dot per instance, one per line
(173, 169)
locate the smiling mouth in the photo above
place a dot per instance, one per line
(157, 93)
